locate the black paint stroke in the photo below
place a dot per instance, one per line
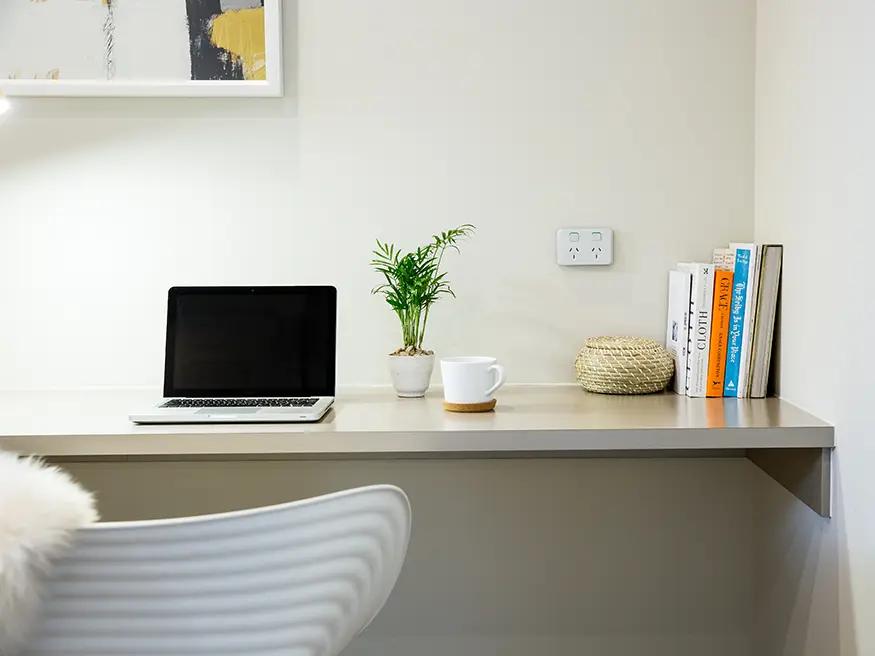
(208, 62)
(109, 39)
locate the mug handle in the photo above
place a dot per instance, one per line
(500, 380)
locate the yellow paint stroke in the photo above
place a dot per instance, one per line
(241, 32)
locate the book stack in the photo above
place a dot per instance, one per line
(721, 321)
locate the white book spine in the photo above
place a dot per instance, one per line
(677, 331)
(699, 342)
(744, 370)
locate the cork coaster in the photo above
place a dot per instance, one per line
(470, 407)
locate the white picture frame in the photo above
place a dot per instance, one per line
(271, 86)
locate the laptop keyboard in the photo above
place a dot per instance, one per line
(240, 403)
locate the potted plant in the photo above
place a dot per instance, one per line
(413, 282)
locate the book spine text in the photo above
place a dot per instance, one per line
(700, 328)
(720, 317)
(736, 321)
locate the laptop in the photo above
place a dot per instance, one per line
(247, 354)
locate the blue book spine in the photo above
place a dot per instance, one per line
(736, 321)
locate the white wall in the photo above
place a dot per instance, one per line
(401, 119)
(815, 140)
(404, 118)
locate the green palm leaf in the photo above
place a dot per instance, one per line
(413, 281)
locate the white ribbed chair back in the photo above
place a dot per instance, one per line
(297, 579)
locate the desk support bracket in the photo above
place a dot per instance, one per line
(806, 472)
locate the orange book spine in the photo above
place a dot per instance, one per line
(720, 315)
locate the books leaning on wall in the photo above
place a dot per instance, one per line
(721, 321)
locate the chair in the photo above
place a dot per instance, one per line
(297, 579)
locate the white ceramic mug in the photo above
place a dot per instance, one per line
(472, 379)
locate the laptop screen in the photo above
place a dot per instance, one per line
(250, 342)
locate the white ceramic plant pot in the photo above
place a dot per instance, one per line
(411, 374)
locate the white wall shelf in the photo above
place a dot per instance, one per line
(530, 421)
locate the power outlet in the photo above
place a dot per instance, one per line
(584, 246)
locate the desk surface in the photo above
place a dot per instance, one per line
(528, 420)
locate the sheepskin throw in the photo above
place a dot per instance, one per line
(40, 509)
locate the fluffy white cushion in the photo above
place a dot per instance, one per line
(40, 509)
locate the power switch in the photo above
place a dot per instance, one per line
(585, 246)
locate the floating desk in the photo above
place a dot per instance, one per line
(530, 421)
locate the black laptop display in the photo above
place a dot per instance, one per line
(250, 342)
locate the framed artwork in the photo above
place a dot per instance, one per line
(141, 47)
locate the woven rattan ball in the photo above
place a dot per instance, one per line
(623, 365)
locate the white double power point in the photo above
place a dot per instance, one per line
(584, 246)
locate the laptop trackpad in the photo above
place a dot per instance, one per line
(226, 411)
